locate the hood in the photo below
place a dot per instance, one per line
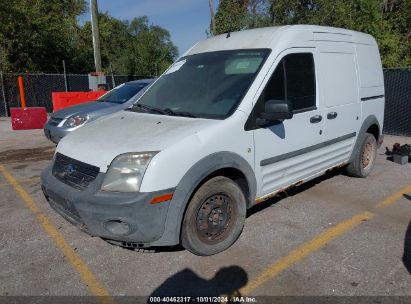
(99, 142)
(91, 108)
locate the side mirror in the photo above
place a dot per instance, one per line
(275, 111)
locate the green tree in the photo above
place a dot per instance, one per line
(129, 47)
(397, 13)
(36, 35)
(389, 21)
(152, 50)
(258, 13)
(114, 42)
(231, 16)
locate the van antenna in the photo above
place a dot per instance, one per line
(228, 34)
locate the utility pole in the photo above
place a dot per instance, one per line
(3, 93)
(112, 76)
(212, 22)
(96, 37)
(65, 75)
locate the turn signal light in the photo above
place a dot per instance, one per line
(161, 198)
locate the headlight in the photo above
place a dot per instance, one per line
(126, 172)
(75, 121)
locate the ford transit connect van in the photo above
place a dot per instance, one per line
(237, 119)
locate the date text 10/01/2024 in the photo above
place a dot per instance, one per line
(221, 299)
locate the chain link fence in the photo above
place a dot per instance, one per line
(3, 104)
(397, 118)
(38, 88)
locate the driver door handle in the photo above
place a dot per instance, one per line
(316, 119)
(332, 115)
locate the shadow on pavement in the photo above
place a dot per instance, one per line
(27, 155)
(407, 244)
(227, 281)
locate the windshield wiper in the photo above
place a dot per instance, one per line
(179, 113)
(166, 111)
(149, 109)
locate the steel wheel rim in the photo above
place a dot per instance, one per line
(214, 218)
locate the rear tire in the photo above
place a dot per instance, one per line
(214, 217)
(364, 159)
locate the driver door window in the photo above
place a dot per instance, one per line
(293, 80)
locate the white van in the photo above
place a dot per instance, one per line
(237, 119)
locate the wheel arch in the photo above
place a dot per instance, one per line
(374, 129)
(226, 164)
(370, 125)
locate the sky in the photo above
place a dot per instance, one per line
(186, 20)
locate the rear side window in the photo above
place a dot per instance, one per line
(293, 80)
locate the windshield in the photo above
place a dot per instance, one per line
(207, 85)
(122, 93)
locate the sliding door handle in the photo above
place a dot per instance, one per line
(316, 119)
(332, 115)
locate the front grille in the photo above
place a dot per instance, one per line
(73, 172)
(54, 121)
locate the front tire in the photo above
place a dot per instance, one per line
(214, 217)
(364, 159)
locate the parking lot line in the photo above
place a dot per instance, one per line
(74, 259)
(393, 198)
(24, 180)
(317, 243)
(304, 250)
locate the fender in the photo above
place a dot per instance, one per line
(191, 180)
(368, 122)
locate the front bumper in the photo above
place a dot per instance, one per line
(94, 211)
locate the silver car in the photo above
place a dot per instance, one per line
(69, 119)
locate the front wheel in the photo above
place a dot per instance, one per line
(214, 217)
(364, 160)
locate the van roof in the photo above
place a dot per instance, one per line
(279, 36)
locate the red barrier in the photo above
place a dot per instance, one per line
(28, 118)
(63, 100)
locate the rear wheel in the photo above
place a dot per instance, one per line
(364, 160)
(214, 217)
